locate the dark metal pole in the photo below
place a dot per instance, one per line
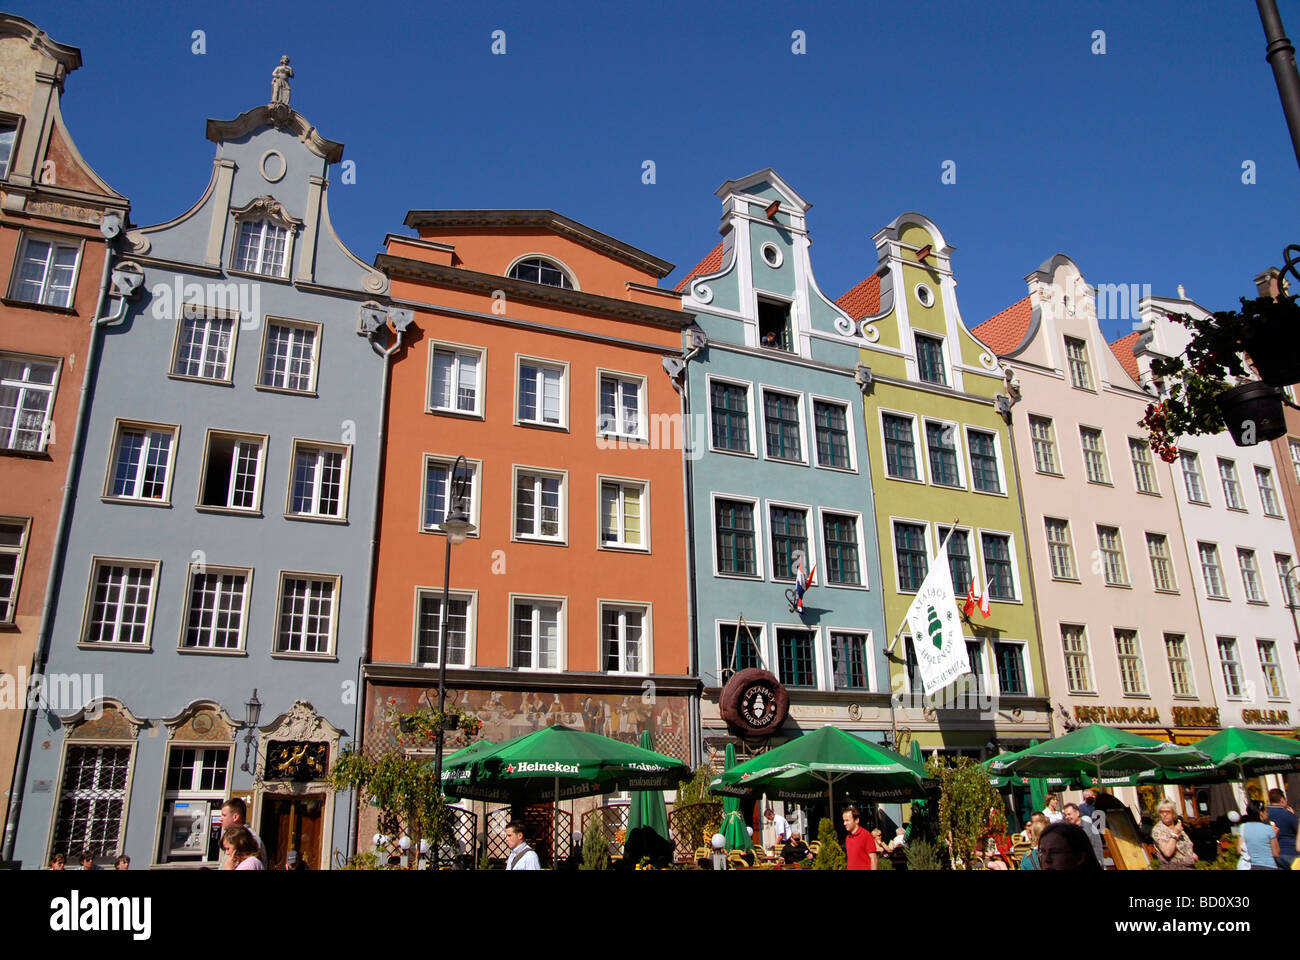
(1281, 55)
(442, 684)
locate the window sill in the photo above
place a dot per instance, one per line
(949, 486)
(1219, 599)
(27, 454)
(1274, 516)
(1237, 510)
(288, 391)
(458, 414)
(622, 440)
(232, 511)
(132, 647)
(539, 425)
(1136, 696)
(1258, 603)
(1171, 593)
(739, 576)
(320, 657)
(1049, 473)
(1185, 696)
(837, 469)
(1067, 579)
(991, 493)
(309, 518)
(844, 586)
(211, 381)
(623, 548)
(733, 453)
(436, 532)
(133, 502)
(231, 271)
(1198, 503)
(1151, 493)
(918, 480)
(43, 307)
(213, 651)
(1083, 693)
(1102, 483)
(544, 541)
(1121, 586)
(794, 461)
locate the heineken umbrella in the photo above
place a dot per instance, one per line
(648, 808)
(1099, 752)
(812, 765)
(1235, 754)
(733, 824)
(456, 766)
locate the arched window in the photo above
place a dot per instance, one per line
(538, 270)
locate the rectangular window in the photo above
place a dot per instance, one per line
(621, 509)
(734, 522)
(46, 272)
(1209, 553)
(261, 247)
(850, 656)
(1250, 575)
(26, 402)
(976, 680)
(1162, 568)
(831, 422)
(984, 461)
(1131, 675)
(789, 536)
(914, 684)
(195, 789)
(941, 444)
(319, 475)
(781, 424)
(1286, 578)
(13, 546)
(997, 566)
(307, 609)
(8, 132)
(1180, 664)
(1231, 485)
(1191, 465)
(538, 505)
(203, 345)
(232, 472)
(1272, 669)
(738, 651)
(437, 490)
(289, 356)
(730, 406)
(623, 630)
(1294, 446)
(1076, 353)
(900, 447)
(912, 555)
(840, 535)
(217, 609)
(1078, 668)
(1059, 548)
(1144, 469)
(620, 407)
(1010, 658)
(142, 462)
(121, 598)
(455, 384)
(1094, 455)
(536, 636)
(1112, 555)
(1232, 682)
(958, 560)
(1267, 494)
(92, 800)
(1045, 460)
(541, 393)
(774, 324)
(428, 631)
(796, 656)
(929, 360)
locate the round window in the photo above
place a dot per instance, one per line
(925, 295)
(772, 255)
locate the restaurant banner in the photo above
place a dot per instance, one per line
(936, 628)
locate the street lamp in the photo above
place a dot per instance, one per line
(1292, 587)
(252, 713)
(457, 526)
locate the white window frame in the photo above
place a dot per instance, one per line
(16, 122)
(98, 744)
(22, 386)
(96, 563)
(760, 543)
(1087, 654)
(1069, 545)
(850, 435)
(262, 441)
(808, 518)
(1287, 584)
(1276, 663)
(1123, 555)
(188, 312)
(1019, 596)
(19, 553)
(868, 657)
(345, 472)
(1266, 473)
(1218, 566)
(1236, 480)
(754, 438)
(121, 425)
(471, 625)
(213, 798)
(997, 458)
(1138, 656)
(623, 483)
(1169, 558)
(1185, 659)
(1149, 463)
(967, 534)
(1261, 597)
(458, 350)
(1051, 441)
(55, 240)
(1293, 445)
(642, 434)
(1087, 364)
(1191, 456)
(1224, 663)
(542, 363)
(561, 631)
(335, 599)
(823, 574)
(562, 537)
(798, 397)
(1025, 672)
(624, 606)
(761, 629)
(1107, 474)
(820, 656)
(919, 454)
(245, 606)
(929, 550)
(549, 260)
(944, 359)
(475, 468)
(290, 232)
(318, 331)
(959, 456)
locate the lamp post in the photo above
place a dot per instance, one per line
(252, 713)
(1292, 587)
(456, 526)
(1281, 57)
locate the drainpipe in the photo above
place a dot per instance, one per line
(358, 718)
(688, 489)
(41, 652)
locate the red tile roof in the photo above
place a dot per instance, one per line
(863, 300)
(1123, 350)
(710, 264)
(1003, 331)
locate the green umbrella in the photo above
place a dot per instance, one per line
(648, 809)
(456, 766)
(734, 827)
(1235, 754)
(1097, 751)
(810, 766)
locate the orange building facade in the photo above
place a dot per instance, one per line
(537, 351)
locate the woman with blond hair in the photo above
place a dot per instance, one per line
(1173, 845)
(1031, 861)
(241, 849)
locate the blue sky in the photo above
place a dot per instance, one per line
(1130, 162)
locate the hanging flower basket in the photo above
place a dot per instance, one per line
(1253, 413)
(1271, 336)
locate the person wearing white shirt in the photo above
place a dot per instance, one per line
(1053, 809)
(522, 856)
(775, 829)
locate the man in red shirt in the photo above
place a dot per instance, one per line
(859, 848)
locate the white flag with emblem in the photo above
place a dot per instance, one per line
(936, 628)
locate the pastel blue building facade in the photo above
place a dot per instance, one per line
(220, 552)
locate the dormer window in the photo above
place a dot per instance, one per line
(263, 243)
(539, 270)
(774, 324)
